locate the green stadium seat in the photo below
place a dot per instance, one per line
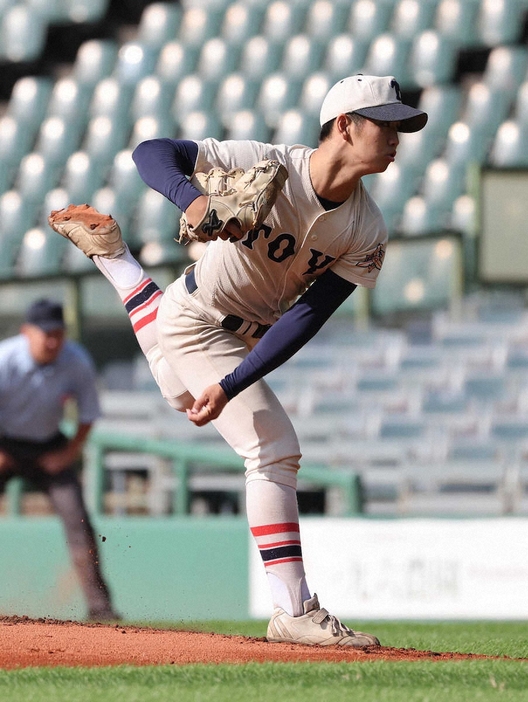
(325, 19)
(411, 17)
(282, 20)
(442, 104)
(69, 100)
(345, 55)
(159, 23)
(465, 144)
(520, 104)
(485, 107)
(500, 22)
(111, 99)
(463, 217)
(15, 141)
(86, 11)
(57, 139)
(301, 57)
(198, 24)
(95, 60)
(235, 92)
(418, 148)
(510, 146)
(124, 179)
(81, 177)
(277, 94)
(152, 127)
(259, 57)
(217, 59)
(369, 18)
(155, 218)
(35, 176)
(391, 189)
(54, 199)
(247, 124)
(418, 275)
(432, 59)
(506, 68)
(313, 91)
(134, 62)
(152, 97)
(29, 101)
(241, 21)
(193, 93)
(419, 218)
(175, 61)
(6, 177)
(199, 125)
(40, 253)
(103, 139)
(22, 34)
(388, 55)
(457, 21)
(16, 217)
(443, 183)
(297, 127)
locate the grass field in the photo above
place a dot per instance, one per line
(422, 681)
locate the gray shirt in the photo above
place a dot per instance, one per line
(32, 396)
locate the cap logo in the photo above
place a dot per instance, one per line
(394, 84)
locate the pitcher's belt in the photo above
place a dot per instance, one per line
(231, 322)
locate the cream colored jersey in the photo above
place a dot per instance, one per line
(259, 277)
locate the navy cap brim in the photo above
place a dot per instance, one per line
(411, 119)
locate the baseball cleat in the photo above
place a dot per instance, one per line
(316, 627)
(95, 234)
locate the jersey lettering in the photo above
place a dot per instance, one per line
(281, 248)
(315, 263)
(254, 234)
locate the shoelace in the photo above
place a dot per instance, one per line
(338, 628)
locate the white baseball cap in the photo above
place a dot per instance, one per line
(375, 97)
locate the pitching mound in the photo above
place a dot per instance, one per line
(44, 642)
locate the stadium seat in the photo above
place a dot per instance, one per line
(391, 189)
(29, 101)
(86, 11)
(464, 216)
(111, 99)
(54, 199)
(419, 218)
(151, 128)
(159, 23)
(124, 179)
(510, 145)
(95, 60)
(81, 177)
(156, 218)
(16, 217)
(457, 21)
(40, 253)
(500, 22)
(103, 138)
(301, 56)
(520, 104)
(443, 183)
(442, 104)
(465, 144)
(277, 94)
(260, 56)
(388, 55)
(199, 125)
(6, 177)
(134, 62)
(175, 61)
(325, 19)
(152, 97)
(345, 55)
(198, 24)
(241, 21)
(432, 59)
(217, 59)
(418, 148)
(313, 91)
(53, 11)
(411, 17)
(57, 139)
(282, 20)
(296, 127)
(247, 124)
(35, 176)
(369, 18)
(22, 34)
(485, 107)
(193, 93)
(69, 101)
(506, 68)
(418, 275)
(15, 141)
(236, 92)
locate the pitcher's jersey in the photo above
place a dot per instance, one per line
(259, 277)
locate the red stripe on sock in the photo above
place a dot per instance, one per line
(275, 529)
(137, 290)
(140, 308)
(147, 319)
(296, 559)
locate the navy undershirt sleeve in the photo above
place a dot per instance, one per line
(164, 165)
(291, 332)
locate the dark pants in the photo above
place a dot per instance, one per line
(65, 493)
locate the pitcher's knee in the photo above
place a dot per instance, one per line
(283, 471)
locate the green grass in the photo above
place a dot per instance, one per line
(374, 681)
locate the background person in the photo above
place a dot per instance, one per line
(39, 371)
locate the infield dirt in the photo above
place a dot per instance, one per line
(28, 642)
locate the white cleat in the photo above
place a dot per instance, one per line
(316, 627)
(95, 234)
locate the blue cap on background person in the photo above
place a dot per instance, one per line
(46, 314)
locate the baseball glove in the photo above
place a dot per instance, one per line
(244, 196)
